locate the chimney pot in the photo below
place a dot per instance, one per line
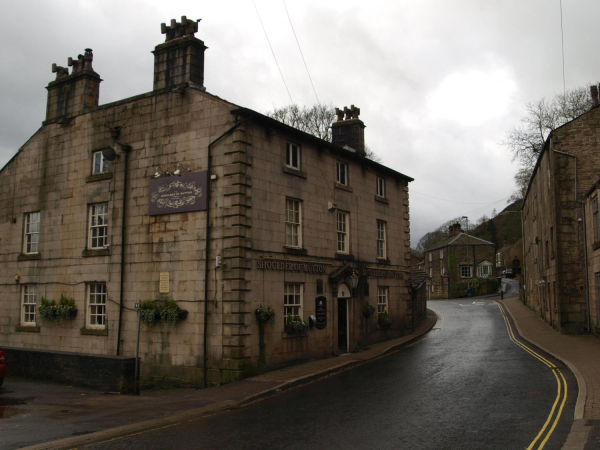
(594, 94)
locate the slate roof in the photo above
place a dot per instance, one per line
(460, 239)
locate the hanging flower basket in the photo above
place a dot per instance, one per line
(265, 314)
(368, 310)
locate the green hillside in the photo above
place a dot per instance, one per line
(504, 229)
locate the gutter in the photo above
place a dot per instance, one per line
(207, 250)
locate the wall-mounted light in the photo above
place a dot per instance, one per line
(161, 173)
(17, 277)
(177, 172)
(354, 279)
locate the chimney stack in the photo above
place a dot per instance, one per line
(455, 229)
(349, 129)
(179, 62)
(594, 94)
(70, 94)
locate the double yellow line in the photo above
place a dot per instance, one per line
(561, 393)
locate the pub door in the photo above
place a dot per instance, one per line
(342, 325)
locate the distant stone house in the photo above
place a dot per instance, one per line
(459, 257)
(179, 195)
(560, 194)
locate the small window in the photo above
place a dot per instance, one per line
(98, 232)
(28, 305)
(96, 310)
(466, 272)
(430, 256)
(100, 165)
(498, 259)
(381, 240)
(431, 272)
(380, 187)
(596, 219)
(342, 173)
(293, 223)
(292, 156)
(32, 233)
(382, 299)
(442, 254)
(484, 269)
(292, 301)
(442, 271)
(342, 232)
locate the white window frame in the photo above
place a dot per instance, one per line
(596, 218)
(98, 226)
(431, 272)
(96, 306)
(381, 240)
(28, 305)
(480, 269)
(383, 293)
(469, 271)
(380, 187)
(442, 271)
(292, 150)
(103, 163)
(293, 223)
(293, 296)
(341, 176)
(31, 237)
(342, 228)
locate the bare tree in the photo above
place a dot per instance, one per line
(526, 141)
(315, 120)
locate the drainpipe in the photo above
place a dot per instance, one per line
(587, 280)
(207, 250)
(126, 149)
(587, 283)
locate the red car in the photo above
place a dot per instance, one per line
(2, 367)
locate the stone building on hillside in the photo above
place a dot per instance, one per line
(178, 195)
(556, 257)
(459, 257)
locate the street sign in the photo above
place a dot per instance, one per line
(137, 305)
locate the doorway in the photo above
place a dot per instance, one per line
(342, 325)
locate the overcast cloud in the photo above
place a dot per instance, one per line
(439, 83)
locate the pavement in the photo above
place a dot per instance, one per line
(581, 353)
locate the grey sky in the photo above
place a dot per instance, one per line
(438, 82)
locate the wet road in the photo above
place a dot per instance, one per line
(466, 385)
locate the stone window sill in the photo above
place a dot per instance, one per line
(93, 331)
(295, 251)
(29, 257)
(382, 200)
(383, 261)
(295, 172)
(343, 187)
(99, 177)
(344, 256)
(28, 328)
(96, 252)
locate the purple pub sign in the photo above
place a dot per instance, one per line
(170, 195)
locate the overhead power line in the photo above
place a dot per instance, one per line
(562, 41)
(271, 47)
(301, 54)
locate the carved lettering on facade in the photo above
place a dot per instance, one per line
(382, 273)
(290, 266)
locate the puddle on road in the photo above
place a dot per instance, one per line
(8, 406)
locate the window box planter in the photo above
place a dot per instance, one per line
(51, 312)
(384, 320)
(168, 312)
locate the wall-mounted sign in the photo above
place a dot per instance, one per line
(321, 312)
(169, 195)
(163, 286)
(292, 266)
(382, 273)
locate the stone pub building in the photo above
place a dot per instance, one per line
(182, 196)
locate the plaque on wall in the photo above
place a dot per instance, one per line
(163, 287)
(321, 312)
(177, 194)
